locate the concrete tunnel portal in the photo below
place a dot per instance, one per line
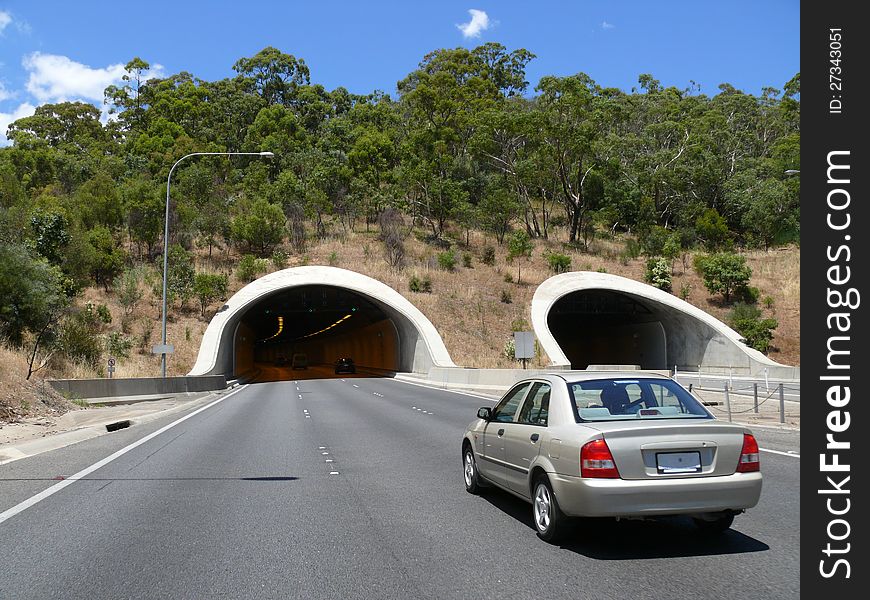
(583, 319)
(323, 313)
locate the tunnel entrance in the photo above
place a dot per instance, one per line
(323, 313)
(300, 332)
(604, 327)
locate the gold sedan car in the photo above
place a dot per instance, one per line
(617, 444)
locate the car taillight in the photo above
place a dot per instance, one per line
(749, 455)
(597, 461)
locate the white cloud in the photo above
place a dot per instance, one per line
(55, 78)
(5, 19)
(479, 22)
(606, 25)
(24, 110)
(4, 94)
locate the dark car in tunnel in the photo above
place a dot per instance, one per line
(345, 365)
(300, 361)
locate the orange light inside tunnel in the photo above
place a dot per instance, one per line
(277, 333)
(344, 318)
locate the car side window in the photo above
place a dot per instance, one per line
(537, 405)
(506, 409)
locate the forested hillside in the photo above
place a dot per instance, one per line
(648, 182)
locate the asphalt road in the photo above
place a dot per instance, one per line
(350, 488)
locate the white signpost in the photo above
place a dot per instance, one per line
(524, 345)
(111, 362)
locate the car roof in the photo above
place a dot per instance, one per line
(591, 375)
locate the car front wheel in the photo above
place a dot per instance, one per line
(550, 522)
(472, 477)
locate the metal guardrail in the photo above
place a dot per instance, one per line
(778, 391)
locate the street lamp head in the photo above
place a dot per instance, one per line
(267, 154)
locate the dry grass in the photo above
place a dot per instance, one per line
(465, 305)
(20, 398)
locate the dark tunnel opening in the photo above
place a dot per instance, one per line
(603, 327)
(300, 333)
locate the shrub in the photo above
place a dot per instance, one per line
(519, 324)
(118, 345)
(508, 278)
(466, 260)
(78, 341)
(749, 294)
(447, 260)
(179, 277)
(390, 223)
(559, 263)
(127, 290)
(768, 302)
(332, 259)
(420, 286)
(658, 273)
(632, 249)
(209, 287)
(724, 273)
(279, 259)
(746, 320)
(259, 227)
(510, 350)
(685, 290)
(506, 297)
(488, 256)
(713, 230)
(250, 267)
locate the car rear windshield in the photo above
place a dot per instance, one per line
(641, 398)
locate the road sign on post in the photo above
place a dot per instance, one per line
(163, 349)
(111, 363)
(524, 345)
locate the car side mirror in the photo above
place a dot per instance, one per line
(484, 413)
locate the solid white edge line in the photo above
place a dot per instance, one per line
(22, 506)
(780, 452)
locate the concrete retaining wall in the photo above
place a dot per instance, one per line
(140, 386)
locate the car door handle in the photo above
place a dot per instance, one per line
(534, 437)
(500, 432)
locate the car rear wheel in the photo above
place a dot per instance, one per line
(469, 467)
(550, 521)
(714, 524)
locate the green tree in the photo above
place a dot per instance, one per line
(520, 246)
(724, 273)
(259, 227)
(208, 287)
(106, 258)
(274, 75)
(712, 229)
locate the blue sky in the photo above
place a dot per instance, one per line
(52, 51)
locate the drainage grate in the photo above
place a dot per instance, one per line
(118, 425)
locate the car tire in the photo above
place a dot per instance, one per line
(714, 526)
(550, 521)
(473, 484)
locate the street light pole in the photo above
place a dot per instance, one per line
(166, 235)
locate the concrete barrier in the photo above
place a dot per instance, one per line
(139, 386)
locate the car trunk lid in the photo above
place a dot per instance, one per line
(667, 449)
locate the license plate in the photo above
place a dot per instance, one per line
(678, 462)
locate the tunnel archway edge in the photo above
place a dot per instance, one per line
(424, 347)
